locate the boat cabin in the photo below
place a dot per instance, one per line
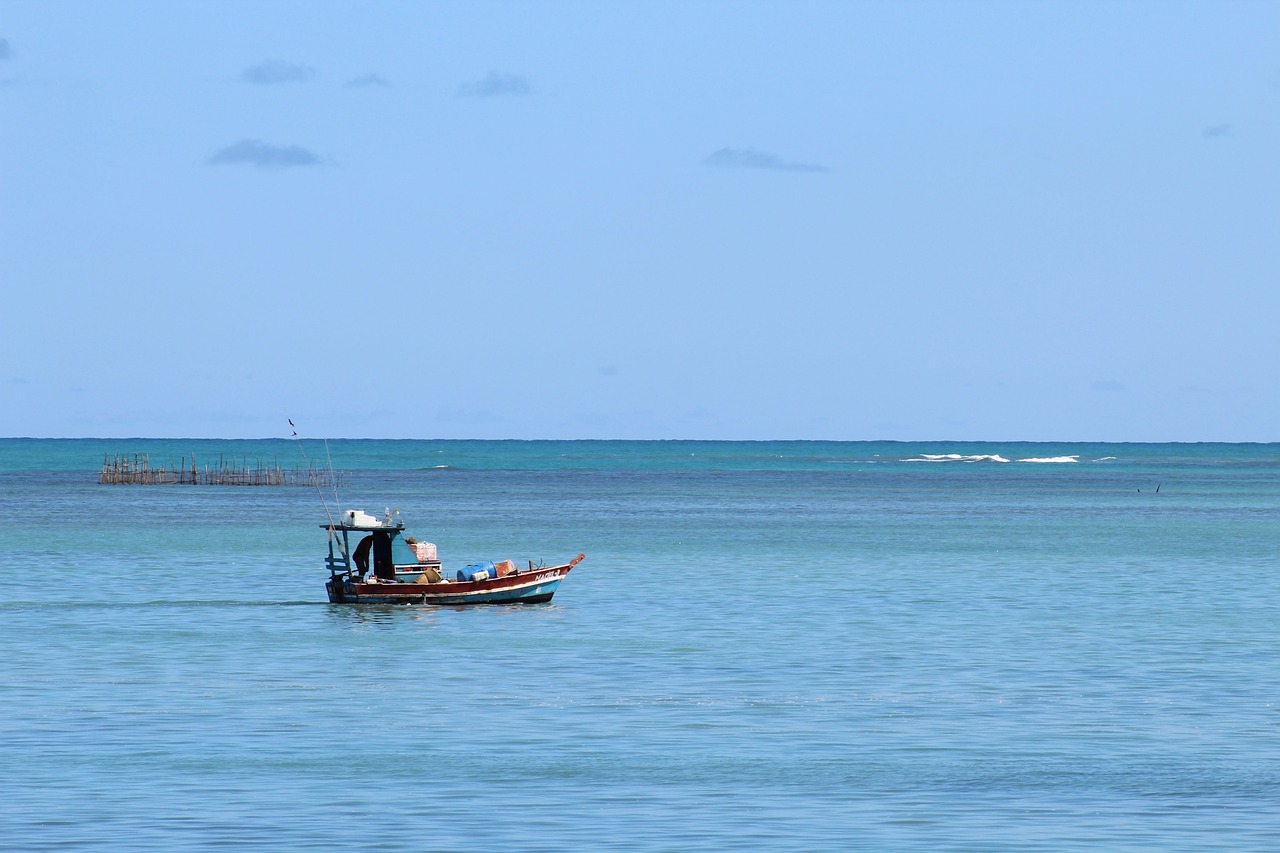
(361, 544)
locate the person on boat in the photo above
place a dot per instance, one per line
(380, 544)
(361, 555)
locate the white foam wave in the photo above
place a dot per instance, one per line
(956, 457)
(1051, 460)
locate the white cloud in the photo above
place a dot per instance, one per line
(255, 152)
(749, 158)
(367, 81)
(497, 85)
(273, 72)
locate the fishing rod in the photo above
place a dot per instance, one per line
(333, 478)
(314, 480)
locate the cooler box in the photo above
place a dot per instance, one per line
(360, 518)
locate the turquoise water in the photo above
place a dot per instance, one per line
(770, 646)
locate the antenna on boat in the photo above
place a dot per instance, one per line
(323, 503)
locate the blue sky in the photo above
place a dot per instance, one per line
(854, 220)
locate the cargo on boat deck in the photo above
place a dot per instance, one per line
(475, 572)
(431, 575)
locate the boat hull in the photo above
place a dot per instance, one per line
(535, 586)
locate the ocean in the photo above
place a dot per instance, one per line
(770, 646)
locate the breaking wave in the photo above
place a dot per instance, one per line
(989, 457)
(955, 457)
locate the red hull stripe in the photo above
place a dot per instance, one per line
(461, 588)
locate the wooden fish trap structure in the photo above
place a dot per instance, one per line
(137, 470)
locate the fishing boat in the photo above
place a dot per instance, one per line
(371, 561)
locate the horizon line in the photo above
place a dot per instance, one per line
(690, 440)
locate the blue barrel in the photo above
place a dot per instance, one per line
(469, 572)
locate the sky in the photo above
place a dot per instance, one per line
(1054, 221)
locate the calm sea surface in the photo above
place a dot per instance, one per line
(792, 645)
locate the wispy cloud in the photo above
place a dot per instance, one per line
(6, 52)
(1217, 131)
(368, 80)
(274, 71)
(255, 152)
(496, 85)
(749, 158)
